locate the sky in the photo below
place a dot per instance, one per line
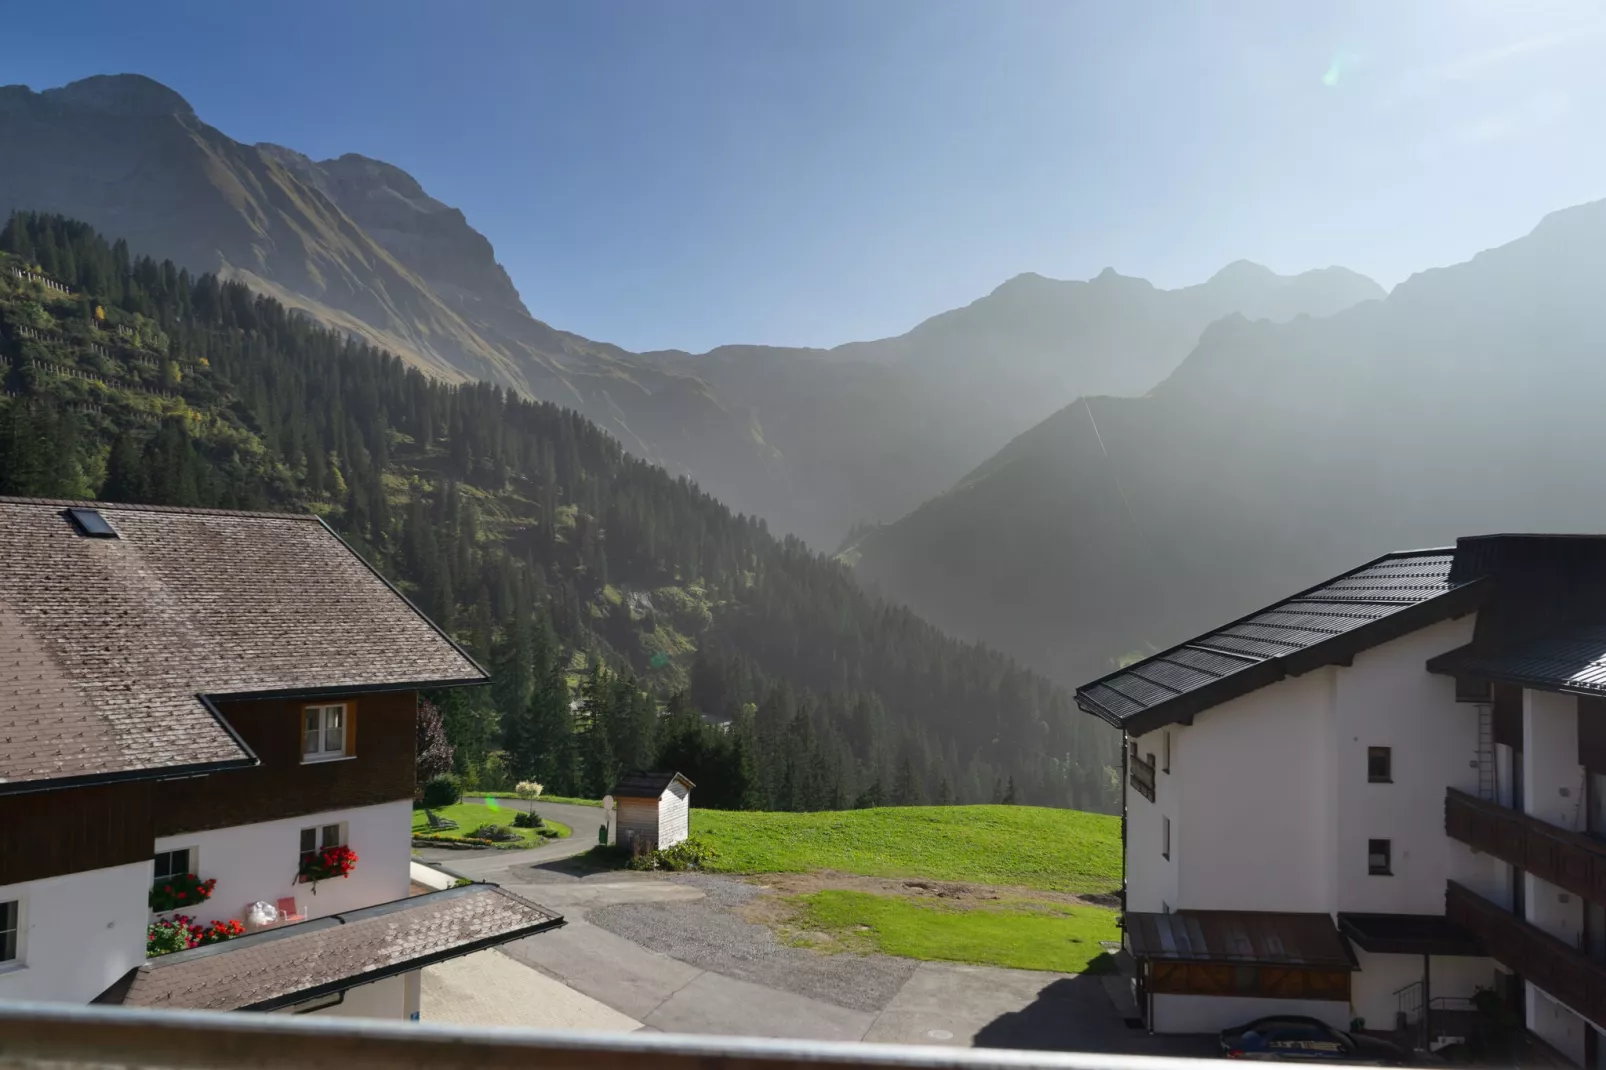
(680, 174)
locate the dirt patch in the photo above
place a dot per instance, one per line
(956, 892)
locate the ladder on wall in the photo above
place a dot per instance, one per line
(1487, 783)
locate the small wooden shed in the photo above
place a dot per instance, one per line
(649, 811)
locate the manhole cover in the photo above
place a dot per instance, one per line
(939, 1034)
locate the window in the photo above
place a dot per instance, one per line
(1378, 854)
(10, 930)
(314, 840)
(324, 733)
(1380, 765)
(1165, 837)
(170, 864)
(1165, 751)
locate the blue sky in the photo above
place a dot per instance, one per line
(808, 172)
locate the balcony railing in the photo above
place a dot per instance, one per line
(1142, 776)
(37, 1036)
(1553, 964)
(1569, 860)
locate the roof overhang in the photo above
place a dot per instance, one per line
(1238, 937)
(1410, 934)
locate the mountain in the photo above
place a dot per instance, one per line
(869, 429)
(561, 561)
(813, 441)
(1276, 455)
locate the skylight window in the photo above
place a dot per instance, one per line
(90, 523)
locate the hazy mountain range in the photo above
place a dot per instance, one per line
(1276, 455)
(813, 441)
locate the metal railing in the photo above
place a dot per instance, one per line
(37, 1036)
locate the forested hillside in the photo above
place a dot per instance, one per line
(629, 619)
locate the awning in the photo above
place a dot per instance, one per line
(1410, 934)
(296, 963)
(1238, 936)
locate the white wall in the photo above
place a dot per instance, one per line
(1386, 698)
(1555, 1024)
(1373, 986)
(80, 933)
(1212, 1014)
(1553, 781)
(382, 999)
(258, 862)
(1151, 878)
(673, 815)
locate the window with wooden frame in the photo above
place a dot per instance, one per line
(321, 838)
(1379, 858)
(325, 732)
(10, 933)
(1380, 765)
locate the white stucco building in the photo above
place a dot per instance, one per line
(1378, 799)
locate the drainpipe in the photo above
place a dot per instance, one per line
(1427, 1001)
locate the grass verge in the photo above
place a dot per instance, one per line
(1022, 934)
(1028, 846)
(470, 816)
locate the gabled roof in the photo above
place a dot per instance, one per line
(1571, 659)
(112, 649)
(297, 963)
(1327, 624)
(646, 785)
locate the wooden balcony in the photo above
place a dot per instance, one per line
(1142, 776)
(1569, 860)
(1554, 965)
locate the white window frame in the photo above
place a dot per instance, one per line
(322, 711)
(320, 839)
(193, 859)
(18, 960)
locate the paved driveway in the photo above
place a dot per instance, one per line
(673, 953)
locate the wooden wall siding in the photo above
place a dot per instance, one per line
(1554, 965)
(1235, 979)
(51, 833)
(381, 734)
(636, 820)
(1569, 860)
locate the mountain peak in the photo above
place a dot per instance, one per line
(1243, 271)
(120, 94)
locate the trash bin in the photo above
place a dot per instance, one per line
(602, 834)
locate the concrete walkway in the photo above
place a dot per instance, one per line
(488, 988)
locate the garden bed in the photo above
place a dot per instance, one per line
(470, 817)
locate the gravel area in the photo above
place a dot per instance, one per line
(708, 934)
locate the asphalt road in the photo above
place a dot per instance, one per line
(669, 953)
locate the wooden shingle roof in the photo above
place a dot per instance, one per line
(111, 649)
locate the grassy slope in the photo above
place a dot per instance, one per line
(1021, 934)
(1034, 847)
(470, 816)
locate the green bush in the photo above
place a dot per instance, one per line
(522, 820)
(442, 791)
(690, 853)
(494, 833)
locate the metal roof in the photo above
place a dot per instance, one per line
(1410, 934)
(1329, 623)
(1238, 936)
(1569, 659)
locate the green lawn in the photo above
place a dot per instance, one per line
(1030, 846)
(470, 816)
(1022, 934)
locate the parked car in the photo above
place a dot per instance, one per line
(1299, 1039)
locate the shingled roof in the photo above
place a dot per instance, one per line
(298, 963)
(1382, 600)
(111, 649)
(639, 785)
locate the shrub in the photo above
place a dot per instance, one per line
(442, 791)
(690, 853)
(182, 932)
(185, 890)
(528, 789)
(522, 820)
(494, 833)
